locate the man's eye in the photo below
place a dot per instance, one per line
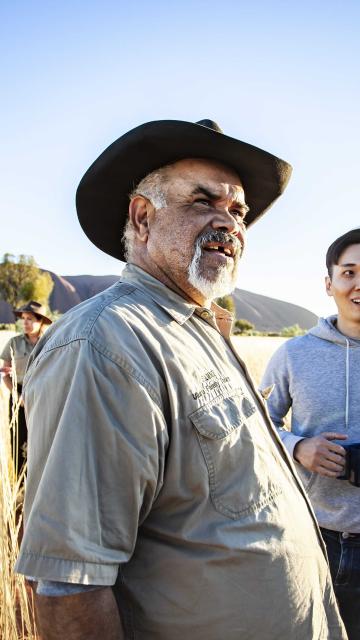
(203, 201)
(240, 215)
(348, 272)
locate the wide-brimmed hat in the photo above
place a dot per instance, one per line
(35, 308)
(102, 197)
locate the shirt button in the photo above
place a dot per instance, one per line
(345, 535)
(205, 314)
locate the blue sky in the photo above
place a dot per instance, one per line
(280, 75)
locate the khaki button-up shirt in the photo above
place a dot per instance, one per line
(153, 465)
(19, 347)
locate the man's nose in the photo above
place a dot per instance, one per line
(227, 222)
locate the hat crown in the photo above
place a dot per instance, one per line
(32, 307)
(210, 124)
(35, 308)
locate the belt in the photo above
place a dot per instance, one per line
(344, 534)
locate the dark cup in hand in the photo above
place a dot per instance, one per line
(352, 464)
(354, 469)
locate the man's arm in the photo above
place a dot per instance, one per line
(88, 615)
(107, 439)
(318, 454)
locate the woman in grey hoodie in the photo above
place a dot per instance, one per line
(318, 376)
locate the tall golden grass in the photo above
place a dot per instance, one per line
(256, 352)
(16, 603)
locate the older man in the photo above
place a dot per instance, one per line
(161, 503)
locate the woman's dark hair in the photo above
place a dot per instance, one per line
(338, 246)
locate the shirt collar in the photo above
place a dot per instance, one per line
(27, 340)
(176, 306)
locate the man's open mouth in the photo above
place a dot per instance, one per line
(356, 300)
(228, 250)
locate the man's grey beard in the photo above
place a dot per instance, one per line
(225, 280)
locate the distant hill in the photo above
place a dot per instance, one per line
(267, 314)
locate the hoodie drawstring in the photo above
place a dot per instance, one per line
(347, 384)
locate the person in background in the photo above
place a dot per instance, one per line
(160, 503)
(15, 356)
(318, 376)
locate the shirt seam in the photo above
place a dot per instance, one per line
(46, 557)
(122, 364)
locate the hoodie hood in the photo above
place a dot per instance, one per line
(326, 330)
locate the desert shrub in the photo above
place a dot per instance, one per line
(291, 332)
(243, 326)
(226, 302)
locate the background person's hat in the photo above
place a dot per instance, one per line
(33, 307)
(102, 197)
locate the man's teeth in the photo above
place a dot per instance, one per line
(224, 250)
(356, 300)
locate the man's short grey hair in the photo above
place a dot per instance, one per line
(152, 187)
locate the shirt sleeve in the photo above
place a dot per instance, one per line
(279, 401)
(6, 352)
(97, 443)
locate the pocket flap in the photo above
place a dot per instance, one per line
(218, 420)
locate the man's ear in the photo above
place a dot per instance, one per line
(328, 286)
(140, 209)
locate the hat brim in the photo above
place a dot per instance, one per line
(44, 319)
(102, 198)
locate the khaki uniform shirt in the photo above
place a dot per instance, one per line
(21, 347)
(153, 464)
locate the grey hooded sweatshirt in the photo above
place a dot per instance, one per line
(318, 376)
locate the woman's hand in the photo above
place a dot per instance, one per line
(6, 370)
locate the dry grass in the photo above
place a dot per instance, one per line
(256, 352)
(16, 605)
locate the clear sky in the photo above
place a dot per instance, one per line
(284, 76)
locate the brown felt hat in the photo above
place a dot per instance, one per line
(35, 308)
(102, 198)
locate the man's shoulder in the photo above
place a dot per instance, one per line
(106, 308)
(108, 321)
(292, 349)
(110, 330)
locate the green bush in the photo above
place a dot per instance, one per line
(291, 332)
(226, 302)
(243, 326)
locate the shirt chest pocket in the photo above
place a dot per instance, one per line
(238, 456)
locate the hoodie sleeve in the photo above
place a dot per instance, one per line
(278, 376)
